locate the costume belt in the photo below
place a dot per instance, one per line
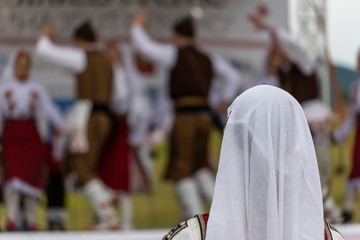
(192, 104)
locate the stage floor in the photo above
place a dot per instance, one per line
(350, 232)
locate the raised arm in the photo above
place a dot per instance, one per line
(294, 50)
(70, 58)
(164, 54)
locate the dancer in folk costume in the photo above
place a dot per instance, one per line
(114, 169)
(191, 75)
(340, 135)
(268, 184)
(290, 66)
(150, 112)
(22, 102)
(91, 115)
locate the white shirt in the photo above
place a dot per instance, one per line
(166, 55)
(27, 100)
(73, 59)
(295, 52)
(121, 91)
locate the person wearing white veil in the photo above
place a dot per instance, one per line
(268, 184)
(21, 102)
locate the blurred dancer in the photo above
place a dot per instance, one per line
(22, 102)
(149, 115)
(290, 66)
(114, 169)
(340, 135)
(55, 190)
(91, 115)
(191, 74)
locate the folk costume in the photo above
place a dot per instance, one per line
(191, 74)
(340, 135)
(22, 103)
(91, 115)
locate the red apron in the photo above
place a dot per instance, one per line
(114, 165)
(23, 152)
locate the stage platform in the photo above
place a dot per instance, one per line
(350, 232)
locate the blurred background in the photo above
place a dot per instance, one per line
(224, 30)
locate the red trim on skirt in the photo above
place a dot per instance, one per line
(23, 152)
(114, 165)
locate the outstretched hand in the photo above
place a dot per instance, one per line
(48, 31)
(257, 20)
(140, 19)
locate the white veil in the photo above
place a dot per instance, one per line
(268, 184)
(8, 73)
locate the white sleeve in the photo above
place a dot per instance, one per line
(120, 90)
(296, 52)
(341, 134)
(229, 76)
(164, 54)
(50, 110)
(67, 57)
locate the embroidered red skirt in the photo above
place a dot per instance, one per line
(114, 165)
(23, 152)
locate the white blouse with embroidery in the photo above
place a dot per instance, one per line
(27, 100)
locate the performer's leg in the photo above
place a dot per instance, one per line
(126, 210)
(55, 192)
(101, 200)
(349, 201)
(189, 197)
(85, 165)
(204, 177)
(206, 182)
(12, 202)
(31, 207)
(143, 154)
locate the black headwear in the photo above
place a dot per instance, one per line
(185, 27)
(85, 32)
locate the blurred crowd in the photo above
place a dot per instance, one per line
(103, 145)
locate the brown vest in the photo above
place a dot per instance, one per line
(192, 74)
(300, 86)
(95, 83)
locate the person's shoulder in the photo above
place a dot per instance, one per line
(192, 229)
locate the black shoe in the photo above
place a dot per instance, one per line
(56, 226)
(347, 217)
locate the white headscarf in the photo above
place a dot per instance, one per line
(268, 184)
(8, 73)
